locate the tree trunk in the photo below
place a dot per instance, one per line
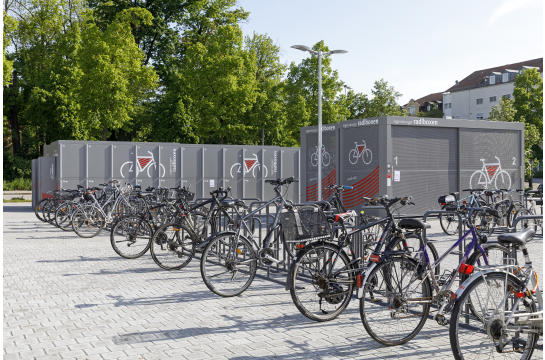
(14, 122)
(104, 132)
(121, 135)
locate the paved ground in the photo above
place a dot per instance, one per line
(67, 297)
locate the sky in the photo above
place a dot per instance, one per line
(419, 47)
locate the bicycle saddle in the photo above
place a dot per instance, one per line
(455, 193)
(413, 224)
(519, 238)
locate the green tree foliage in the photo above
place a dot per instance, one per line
(528, 94)
(433, 113)
(506, 111)
(221, 83)
(357, 103)
(113, 79)
(384, 101)
(9, 26)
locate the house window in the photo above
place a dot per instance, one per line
(505, 77)
(411, 110)
(492, 99)
(507, 96)
(479, 101)
(492, 79)
(428, 108)
(479, 116)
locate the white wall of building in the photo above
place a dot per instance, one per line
(464, 103)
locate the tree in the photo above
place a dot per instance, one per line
(220, 80)
(357, 103)
(384, 101)
(113, 77)
(507, 112)
(528, 94)
(302, 91)
(9, 26)
(433, 113)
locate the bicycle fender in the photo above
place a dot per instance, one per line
(367, 272)
(476, 276)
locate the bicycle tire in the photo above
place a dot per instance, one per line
(461, 349)
(372, 298)
(446, 220)
(87, 217)
(38, 209)
(63, 216)
(170, 248)
(521, 225)
(216, 248)
(324, 290)
(432, 251)
(131, 237)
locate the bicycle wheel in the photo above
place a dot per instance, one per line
(63, 215)
(172, 246)
(449, 223)
(131, 237)
(483, 223)
(322, 288)
(511, 213)
(385, 310)
(228, 268)
(414, 243)
(523, 224)
(38, 209)
(87, 221)
(477, 337)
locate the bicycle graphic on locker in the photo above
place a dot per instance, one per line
(143, 163)
(326, 158)
(250, 164)
(488, 174)
(362, 151)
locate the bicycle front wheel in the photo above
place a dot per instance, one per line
(228, 265)
(38, 209)
(172, 246)
(449, 223)
(395, 304)
(87, 221)
(476, 337)
(322, 286)
(131, 236)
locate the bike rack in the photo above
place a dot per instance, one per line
(513, 249)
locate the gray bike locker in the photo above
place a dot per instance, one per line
(204, 167)
(419, 157)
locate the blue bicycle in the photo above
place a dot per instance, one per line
(449, 222)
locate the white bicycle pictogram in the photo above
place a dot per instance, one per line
(490, 172)
(142, 163)
(250, 164)
(362, 151)
(326, 158)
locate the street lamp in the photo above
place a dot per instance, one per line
(346, 87)
(319, 54)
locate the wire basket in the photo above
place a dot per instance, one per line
(64, 195)
(304, 224)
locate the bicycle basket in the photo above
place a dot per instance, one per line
(304, 224)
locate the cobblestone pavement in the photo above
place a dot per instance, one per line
(66, 297)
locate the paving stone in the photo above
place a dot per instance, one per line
(78, 299)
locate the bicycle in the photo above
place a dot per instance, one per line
(89, 219)
(529, 208)
(449, 222)
(360, 151)
(229, 261)
(399, 288)
(504, 321)
(323, 274)
(490, 172)
(326, 158)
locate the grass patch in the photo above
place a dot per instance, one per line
(17, 184)
(16, 200)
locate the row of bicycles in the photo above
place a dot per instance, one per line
(490, 301)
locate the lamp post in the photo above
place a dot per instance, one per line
(346, 87)
(319, 53)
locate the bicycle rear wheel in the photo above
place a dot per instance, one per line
(228, 265)
(131, 237)
(318, 291)
(63, 215)
(38, 209)
(172, 246)
(449, 223)
(389, 315)
(87, 221)
(473, 337)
